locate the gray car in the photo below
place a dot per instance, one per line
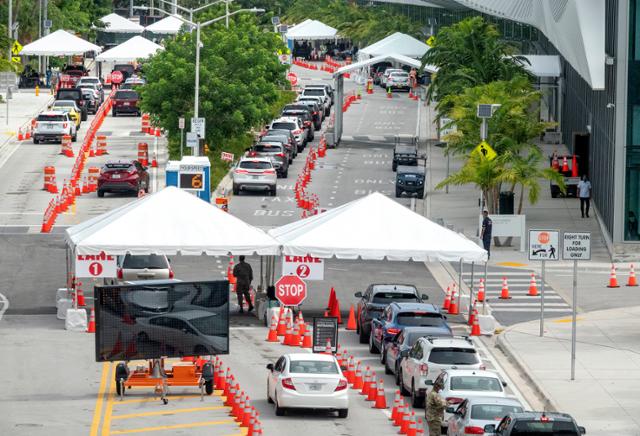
(276, 152)
(474, 414)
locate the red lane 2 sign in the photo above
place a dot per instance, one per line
(291, 290)
(305, 267)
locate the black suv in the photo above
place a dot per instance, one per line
(536, 423)
(375, 299)
(404, 155)
(315, 116)
(410, 180)
(74, 94)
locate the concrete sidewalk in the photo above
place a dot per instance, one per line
(22, 108)
(604, 396)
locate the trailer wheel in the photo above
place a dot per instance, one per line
(208, 387)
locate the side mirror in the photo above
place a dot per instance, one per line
(428, 382)
(425, 297)
(450, 409)
(404, 353)
(490, 428)
(582, 430)
(270, 366)
(504, 384)
(358, 295)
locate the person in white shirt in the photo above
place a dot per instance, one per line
(584, 192)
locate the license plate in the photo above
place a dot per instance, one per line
(255, 177)
(115, 176)
(126, 103)
(315, 387)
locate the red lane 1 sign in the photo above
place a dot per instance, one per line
(117, 77)
(96, 266)
(291, 290)
(305, 267)
(292, 78)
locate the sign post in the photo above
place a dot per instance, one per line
(576, 246)
(543, 246)
(181, 127)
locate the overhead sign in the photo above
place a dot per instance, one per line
(96, 266)
(291, 290)
(576, 246)
(485, 151)
(305, 267)
(543, 244)
(292, 78)
(198, 126)
(226, 156)
(181, 123)
(192, 140)
(325, 329)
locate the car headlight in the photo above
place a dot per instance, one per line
(420, 182)
(400, 182)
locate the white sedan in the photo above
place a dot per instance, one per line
(307, 381)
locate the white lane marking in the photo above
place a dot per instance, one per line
(4, 305)
(501, 305)
(20, 213)
(502, 310)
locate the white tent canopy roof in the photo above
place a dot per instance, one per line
(118, 24)
(397, 43)
(170, 25)
(311, 30)
(171, 221)
(375, 227)
(130, 50)
(405, 60)
(59, 43)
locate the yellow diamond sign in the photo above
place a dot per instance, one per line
(431, 41)
(485, 151)
(16, 48)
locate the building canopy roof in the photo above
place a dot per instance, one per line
(115, 23)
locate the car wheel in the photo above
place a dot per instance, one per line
(403, 390)
(416, 401)
(100, 193)
(372, 347)
(394, 167)
(398, 193)
(279, 410)
(383, 355)
(236, 190)
(114, 113)
(35, 141)
(343, 413)
(74, 138)
(272, 191)
(208, 387)
(397, 375)
(363, 336)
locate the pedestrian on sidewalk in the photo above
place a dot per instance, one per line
(584, 192)
(485, 234)
(434, 410)
(244, 276)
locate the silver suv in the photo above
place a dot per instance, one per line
(53, 125)
(254, 173)
(429, 356)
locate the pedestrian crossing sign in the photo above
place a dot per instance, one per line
(431, 41)
(485, 151)
(16, 48)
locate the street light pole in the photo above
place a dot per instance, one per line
(197, 96)
(10, 28)
(226, 13)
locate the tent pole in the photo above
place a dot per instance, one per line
(460, 284)
(262, 272)
(471, 291)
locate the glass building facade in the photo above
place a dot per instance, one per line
(632, 174)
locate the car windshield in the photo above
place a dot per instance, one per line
(151, 261)
(312, 367)
(399, 75)
(284, 125)
(420, 319)
(255, 165)
(276, 138)
(314, 91)
(475, 383)
(51, 118)
(126, 95)
(206, 325)
(454, 356)
(64, 104)
(537, 427)
(268, 148)
(388, 297)
(117, 166)
(68, 94)
(495, 412)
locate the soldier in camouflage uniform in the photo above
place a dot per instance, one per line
(434, 410)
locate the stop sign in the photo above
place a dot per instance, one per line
(292, 78)
(117, 76)
(291, 290)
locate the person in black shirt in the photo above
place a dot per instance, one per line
(244, 276)
(485, 234)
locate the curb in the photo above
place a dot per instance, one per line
(502, 343)
(224, 187)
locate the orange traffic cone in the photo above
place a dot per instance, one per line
(80, 296)
(381, 399)
(481, 291)
(373, 388)
(307, 341)
(288, 335)
(453, 306)
(406, 420)
(92, 322)
(565, 165)
(351, 323)
(366, 383)
(348, 372)
(475, 328)
(396, 405)
(154, 161)
(295, 337)
(472, 314)
(273, 333)
(339, 355)
(574, 166)
(301, 324)
(613, 280)
(282, 323)
(533, 288)
(420, 431)
(85, 185)
(358, 382)
(412, 430)
(504, 295)
(400, 415)
(335, 311)
(632, 281)
(447, 299)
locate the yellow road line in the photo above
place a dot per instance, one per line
(97, 413)
(513, 264)
(566, 320)
(168, 412)
(147, 400)
(174, 427)
(106, 424)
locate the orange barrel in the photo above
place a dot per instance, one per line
(143, 153)
(49, 175)
(94, 172)
(145, 123)
(222, 203)
(65, 146)
(101, 145)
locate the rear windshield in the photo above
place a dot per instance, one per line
(282, 139)
(90, 80)
(533, 428)
(283, 125)
(124, 67)
(312, 367)
(495, 412)
(319, 92)
(126, 95)
(388, 297)
(474, 383)
(454, 356)
(151, 261)
(117, 166)
(255, 165)
(413, 337)
(69, 94)
(267, 148)
(51, 118)
(398, 74)
(420, 319)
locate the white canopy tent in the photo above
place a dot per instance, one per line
(130, 50)
(168, 25)
(170, 222)
(392, 57)
(59, 43)
(374, 228)
(312, 30)
(397, 43)
(115, 23)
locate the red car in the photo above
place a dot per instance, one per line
(123, 176)
(125, 101)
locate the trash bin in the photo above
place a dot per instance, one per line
(506, 203)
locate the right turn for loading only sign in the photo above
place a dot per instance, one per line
(576, 246)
